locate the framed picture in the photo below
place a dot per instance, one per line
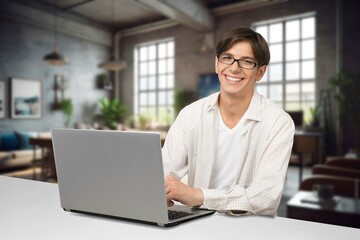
(2, 99)
(26, 99)
(207, 84)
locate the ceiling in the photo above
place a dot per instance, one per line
(125, 14)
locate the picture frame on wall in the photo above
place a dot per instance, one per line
(207, 84)
(2, 100)
(26, 98)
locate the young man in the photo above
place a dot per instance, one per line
(234, 145)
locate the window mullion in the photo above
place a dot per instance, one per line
(284, 66)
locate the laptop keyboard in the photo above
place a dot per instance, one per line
(176, 214)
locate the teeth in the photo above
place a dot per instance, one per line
(233, 79)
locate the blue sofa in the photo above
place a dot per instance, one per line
(15, 150)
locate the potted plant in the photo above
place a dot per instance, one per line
(67, 108)
(144, 121)
(183, 98)
(112, 111)
(315, 117)
(347, 90)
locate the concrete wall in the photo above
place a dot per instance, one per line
(22, 48)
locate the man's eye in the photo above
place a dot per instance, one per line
(248, 62)
(226, 57)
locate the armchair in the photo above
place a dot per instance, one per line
(350, 163)
(343, 186)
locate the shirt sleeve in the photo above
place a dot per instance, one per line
(174, 151)
(263, 195)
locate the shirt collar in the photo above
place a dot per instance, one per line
(213, 101)
(254, 111)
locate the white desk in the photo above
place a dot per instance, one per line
(31, 210)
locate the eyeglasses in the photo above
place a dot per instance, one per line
(243, 63)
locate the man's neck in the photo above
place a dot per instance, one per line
(233, 108)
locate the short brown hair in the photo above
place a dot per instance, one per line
(258, 44)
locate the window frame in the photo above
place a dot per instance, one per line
(303, 103)
(154, 109)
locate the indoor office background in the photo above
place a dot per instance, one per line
(168, 50)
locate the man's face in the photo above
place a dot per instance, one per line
(235, 80)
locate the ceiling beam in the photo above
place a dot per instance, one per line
(190, 13)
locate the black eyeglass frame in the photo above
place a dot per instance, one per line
(238, 61)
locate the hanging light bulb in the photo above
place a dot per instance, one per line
(113, 64)
(55, 58)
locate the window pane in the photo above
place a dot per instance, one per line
(151, 113)
(152, 67)
(162, 98)
(143, 83)
(262, 89)
(152, 83)
(263, 32)
(170, 49)
(162, 81)
(292, 30)
(276, 51)
(276, 92)
(306, 108)
(308, 49)
(170, 65)
(293, 106)
(308, 70)
(308, 27)
(143, 69)
(152, 98)
(275, 72)
(292, 51)
(308, 91)
(143, 53)
(293, 71)
(166, 115)
(162, 50)
(170, 97)
(162, 66)
(293, 92)
(143, 99)
(152, 52)
(265, 77)
(276, 33)
(170, 81)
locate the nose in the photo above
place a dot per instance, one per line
(235, 67)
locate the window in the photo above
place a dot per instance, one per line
(290, 77)
(154, 81)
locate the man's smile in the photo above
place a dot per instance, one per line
(233, 79)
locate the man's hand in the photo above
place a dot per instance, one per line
(178, 191)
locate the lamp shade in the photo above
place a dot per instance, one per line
(54, 58)
(113, 65)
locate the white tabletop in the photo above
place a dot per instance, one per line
(31, 210)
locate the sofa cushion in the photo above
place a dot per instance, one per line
(9, 142)
(23, 138)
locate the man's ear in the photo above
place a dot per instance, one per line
(260, 73)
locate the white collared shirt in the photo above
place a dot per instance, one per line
(262, 156)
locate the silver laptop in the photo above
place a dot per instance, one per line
(116, 174)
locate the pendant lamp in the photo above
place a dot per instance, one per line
(113, 64)
(55, 58)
